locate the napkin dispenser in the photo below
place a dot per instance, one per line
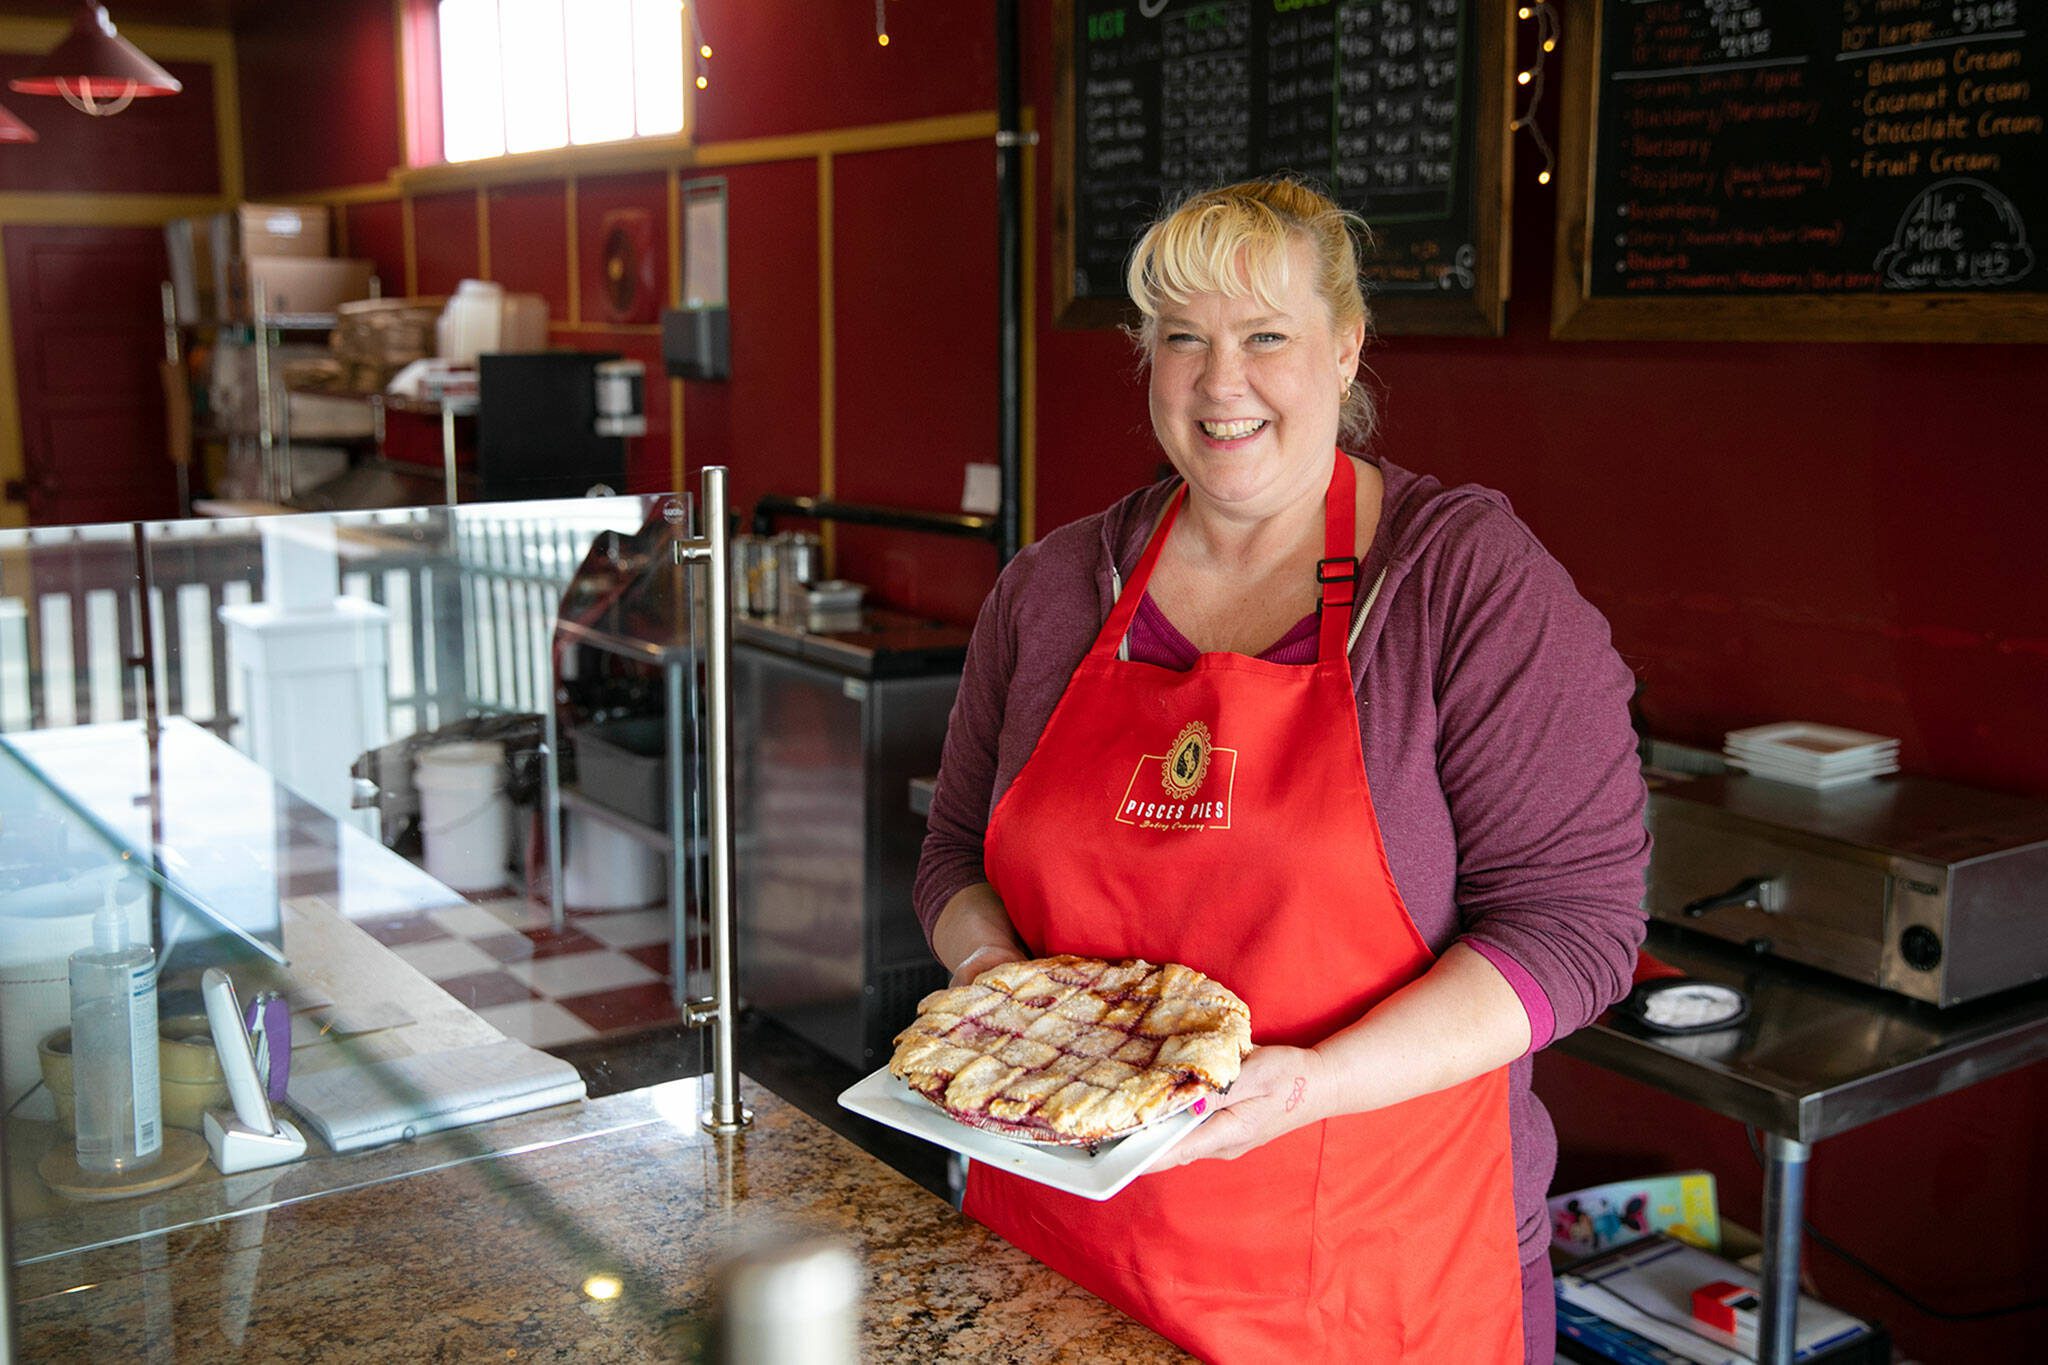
(1933, 890)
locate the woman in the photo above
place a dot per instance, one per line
(1415, 848)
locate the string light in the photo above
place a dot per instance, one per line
(882, 22)
(703, 51)
(1544, 16)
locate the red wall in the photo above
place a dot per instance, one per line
(1846, 533)
(334, 66)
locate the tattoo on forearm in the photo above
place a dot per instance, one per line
(1294, 1096)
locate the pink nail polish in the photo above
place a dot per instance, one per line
(1200, 1106)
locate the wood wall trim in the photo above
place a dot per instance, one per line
(483, 233)
(570, 248)
(654, 154)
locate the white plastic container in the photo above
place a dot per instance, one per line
(608, 869)
(472, 323)
(465, 816)
(119, 1105)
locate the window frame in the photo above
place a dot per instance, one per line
(421, 133)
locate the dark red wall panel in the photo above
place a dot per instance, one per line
(167, 145)
(790, 66)
(529, 235)
(444, 240)
(319, 94)
(916, 343)
(638, 204)
(376, 232)
(763, 422)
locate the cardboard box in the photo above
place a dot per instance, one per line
(302, 285)
(282, 230)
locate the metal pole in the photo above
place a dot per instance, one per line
(266, 436)
(557, 906)
(1009, 282)
(678, 817)
(7, 1332)
(725, 1113)
(1784, 1208)
(448, 450)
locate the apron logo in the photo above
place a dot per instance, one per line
(1182, 773)
(1183, 770)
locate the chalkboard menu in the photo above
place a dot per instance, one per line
(1828, 169)
(1395, 107)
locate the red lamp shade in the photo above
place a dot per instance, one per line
(13, 129)
(95, 69)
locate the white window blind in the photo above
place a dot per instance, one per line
(528, 75)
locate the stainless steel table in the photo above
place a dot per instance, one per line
(1816, 1056)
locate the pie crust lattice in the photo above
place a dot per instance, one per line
(1073, 1050)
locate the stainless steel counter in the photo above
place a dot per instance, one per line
(1815, 1056)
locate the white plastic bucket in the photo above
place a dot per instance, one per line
(465, 816)
(608, 869)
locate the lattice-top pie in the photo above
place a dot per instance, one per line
(1072, 1050)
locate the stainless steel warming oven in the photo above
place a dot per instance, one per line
(1936, 891)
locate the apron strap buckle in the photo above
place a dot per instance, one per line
(1337, 580)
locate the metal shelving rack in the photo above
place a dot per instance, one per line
(274, 428)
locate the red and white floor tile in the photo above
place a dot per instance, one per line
(606, 971)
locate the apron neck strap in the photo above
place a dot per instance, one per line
(1336, 571)
(1125, 609)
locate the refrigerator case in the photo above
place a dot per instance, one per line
(828, 844)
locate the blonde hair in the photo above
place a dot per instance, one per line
(1235, 241)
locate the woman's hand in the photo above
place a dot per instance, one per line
(982, 958)
(1279, 1090)
(1457, 1020)
(973, 933)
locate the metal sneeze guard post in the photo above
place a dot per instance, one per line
(724, 1113)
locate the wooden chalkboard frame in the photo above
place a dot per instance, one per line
(1482, 313)
(1578, 315)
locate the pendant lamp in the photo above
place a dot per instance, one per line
(95, 69)
(13, 129)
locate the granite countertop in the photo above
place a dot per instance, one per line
(486, 1256)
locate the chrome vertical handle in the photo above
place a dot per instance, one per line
(724, 1113)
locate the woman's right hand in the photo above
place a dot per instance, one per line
(973, 933)
(982, 958)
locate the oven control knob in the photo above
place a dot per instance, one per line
(1921, 947)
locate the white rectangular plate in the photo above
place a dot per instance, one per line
(1806, 738)
(887, 1100)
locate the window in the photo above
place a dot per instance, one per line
(528, 75)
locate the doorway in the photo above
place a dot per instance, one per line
(85, 307)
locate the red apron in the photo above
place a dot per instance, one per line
(1220, 818)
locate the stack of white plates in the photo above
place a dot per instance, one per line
(1809, 755)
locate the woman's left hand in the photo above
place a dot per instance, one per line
(1277, 1091)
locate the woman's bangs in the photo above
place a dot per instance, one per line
(1219, 250)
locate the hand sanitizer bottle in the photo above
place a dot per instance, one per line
(113, 1046)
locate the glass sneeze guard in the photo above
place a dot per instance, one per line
(266, 792)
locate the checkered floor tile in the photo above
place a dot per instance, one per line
(605, 972)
